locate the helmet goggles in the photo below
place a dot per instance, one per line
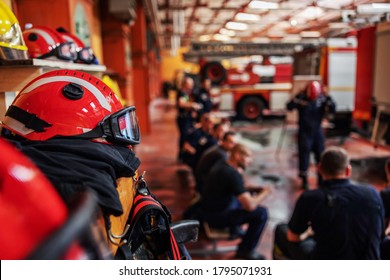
(86, 55)
(120, 128)
(63, 51)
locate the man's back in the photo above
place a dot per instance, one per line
(347, 220)
(209, 158)
(223, 184)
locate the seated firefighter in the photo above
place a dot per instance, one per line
(198, 141)
(76, 131)
(211, 156)
(226, 202)
(340, 220)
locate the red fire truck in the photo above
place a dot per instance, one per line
(260, 89)
(254, 90)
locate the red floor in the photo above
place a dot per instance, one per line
(173, 184)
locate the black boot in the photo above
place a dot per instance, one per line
(305, 184)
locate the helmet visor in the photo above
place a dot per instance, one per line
(122, 127)
(86, 55)
(66, 51)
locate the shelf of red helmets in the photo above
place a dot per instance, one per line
(14, 74)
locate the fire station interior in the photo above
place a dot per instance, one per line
(257, 54)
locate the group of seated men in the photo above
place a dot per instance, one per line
(338, 220)
(218, 163)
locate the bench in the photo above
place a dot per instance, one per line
(216, 236)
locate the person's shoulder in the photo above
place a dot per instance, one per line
(220, 166)
(196, 132)
(312, 195)
(364, 189)
(226, 167)
(301, 95)
(362, 186)
(212, 151)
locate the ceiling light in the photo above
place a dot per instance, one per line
(247, 17)
(334, 4)
(310, 13)
(310, 34)
(293, 22)
(236, 25)
(263, 5)
(281, 25)
(227, 32)
(338, 25)
(261, 40)
(220, 37)
(292, 38)
(276, 33)
(205, 38)
(374, 8)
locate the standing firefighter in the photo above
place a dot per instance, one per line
(312, 104)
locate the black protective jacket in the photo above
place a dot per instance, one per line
(74, 165)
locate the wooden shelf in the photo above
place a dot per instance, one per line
(14, 75)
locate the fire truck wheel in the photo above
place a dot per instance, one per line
(250, 108)
(214, 71)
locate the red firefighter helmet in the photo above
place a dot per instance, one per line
(44, 42)
(37, 224)
(71, 103)
(84, 54)
(313, 90)
(30, 208)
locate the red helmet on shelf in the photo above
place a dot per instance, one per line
(84, 54)
(71, 103)
(30, 208)
(44, 42)
(314, 90)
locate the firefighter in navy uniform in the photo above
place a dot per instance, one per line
(203, 97)
(313, 103)
(198, 141)
(186, 114)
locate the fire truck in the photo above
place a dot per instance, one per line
(251, 92)
(372, 102)
(264, 88)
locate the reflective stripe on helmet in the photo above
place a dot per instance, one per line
(67, 38)
(94, 90)
(17, 126)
